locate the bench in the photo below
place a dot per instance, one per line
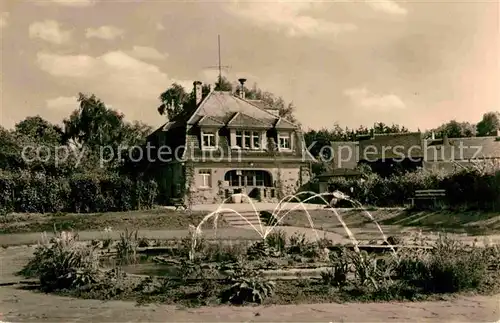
(178, 203)
(428, 195)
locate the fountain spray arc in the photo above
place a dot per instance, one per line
(264, 231)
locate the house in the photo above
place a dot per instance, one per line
(384, 153)
(451, 154)
(388, 153)
(391, 153)
(229, 145)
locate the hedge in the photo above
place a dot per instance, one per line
(466, 189)
(81, 193)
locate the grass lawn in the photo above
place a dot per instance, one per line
(471, 222)
(155, 219)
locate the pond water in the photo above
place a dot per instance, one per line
(153, 269)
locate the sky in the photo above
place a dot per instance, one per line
(415, 63)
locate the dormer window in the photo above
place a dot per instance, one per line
(248, 139)
(209, 139)
(255, 140)
(284, 141)
(239, 139)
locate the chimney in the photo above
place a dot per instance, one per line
(433, 135)
(197, 91)
(242, 87)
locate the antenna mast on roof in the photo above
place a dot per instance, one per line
(220, 66)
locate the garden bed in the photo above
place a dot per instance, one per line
(279, 269)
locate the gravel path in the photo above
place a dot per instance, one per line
(25, 306)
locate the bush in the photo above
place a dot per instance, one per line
(247, 286)
(40, 193)
(277, 240)
(450, 267)
(470, 188)
(63, 264)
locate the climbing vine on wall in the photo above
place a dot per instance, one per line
(190, 184)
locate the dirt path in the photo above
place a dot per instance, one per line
(25, 306)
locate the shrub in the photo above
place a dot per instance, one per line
(277, 240)
(337, 274)
(247, 285)
(471, 187)
(37, 192)
(61, 263)
(450, 267)
(220, 252)
(7, 185)
(126, 248)
(298, 243)
(252, 290)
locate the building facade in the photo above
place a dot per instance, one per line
(386, 153)
(230, 145)
(451, 154)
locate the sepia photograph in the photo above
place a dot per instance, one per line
(249, 161)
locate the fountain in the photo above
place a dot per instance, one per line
(264, 231)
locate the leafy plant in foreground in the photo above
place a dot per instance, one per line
(62, 263)
(337, 274)
(247, 286)
(126, 247)
(277, 240)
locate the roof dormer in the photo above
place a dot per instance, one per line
(243, 121)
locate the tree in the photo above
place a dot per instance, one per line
(40, 129)
(284, 110)
(177, 102)
(223, 84)
(382, 128)
(489, 125)
(94, 125)
(455, 129)
(12, 145)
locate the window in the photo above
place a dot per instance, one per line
(248, 139)
(284, 141)
(255, 140)
(247, 142)
(208, 140)
(205, 176)
(259, 179)
(248, 178)
(239, 138)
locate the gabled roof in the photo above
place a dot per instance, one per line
(284, 124)
(241, 120)
(209, 121)
(220, 104)
(391, 146)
